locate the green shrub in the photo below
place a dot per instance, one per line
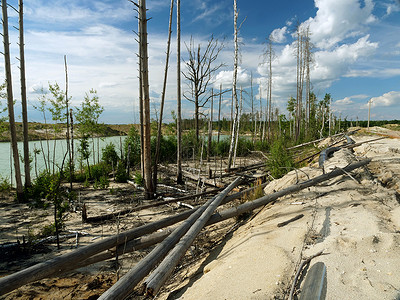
(132, 146)
(101, 183)
(39, 190)
(121, 175)
(138, 178)
(279, 162)
(109, 155)
(168, 148)
(4, 184)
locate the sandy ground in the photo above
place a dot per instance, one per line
(354, 219)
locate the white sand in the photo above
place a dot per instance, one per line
(362, 248)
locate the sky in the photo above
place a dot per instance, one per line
(356, 54)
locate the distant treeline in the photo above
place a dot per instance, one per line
(247, 123)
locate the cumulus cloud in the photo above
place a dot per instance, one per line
(279, 35)
(389, 99)
(225, 78)
(349, 100)
(337, 20)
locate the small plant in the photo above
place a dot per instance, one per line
(279, 162)
(4, 185)
(109, 155)
(121, 175)
(138, 178)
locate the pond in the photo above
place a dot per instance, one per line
(38, 162)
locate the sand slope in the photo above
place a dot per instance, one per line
(354, 219)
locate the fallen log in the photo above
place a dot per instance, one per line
(290, 220)
(149, 240)
(154, 238)
(202, 179)
(124, 286)
(158, 277)
(127, 285)
(73, 259)
(114, 215)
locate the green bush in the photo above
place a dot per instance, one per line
(109, 155)
(168, 148)
(101, 183)
(121, 175)
(4, 184)
(132, 146)
(279, 162)
(39, 190)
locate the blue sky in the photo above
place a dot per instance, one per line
(356, 54)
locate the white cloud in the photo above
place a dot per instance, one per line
(392, 7)
(279, 35)
(226, 77)
(337, 20)
(388, 99)
(349, 100)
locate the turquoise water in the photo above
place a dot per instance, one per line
(7, 165)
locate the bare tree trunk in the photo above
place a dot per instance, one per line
(146, 101)
(210, 126)
(179, 177)
(270, 54)
(10, 101)
(252, 109)
(72, 135)
(23, 94)
(234, 92)
(158, 145)
(70, 164)
(219, 111)
(238, 127)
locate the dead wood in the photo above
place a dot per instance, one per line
(115, 215)
(71, 260)
(127, 283)
(290, 220)
(124, 286)
(158, 277)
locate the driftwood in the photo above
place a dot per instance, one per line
(115, 215)
(290, 220)
(124, 286)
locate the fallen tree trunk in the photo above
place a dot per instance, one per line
(154, 238)
(158, 277)
(235, 211)
(114, 215)
(124, 286)
(73, 259)
(149, 240)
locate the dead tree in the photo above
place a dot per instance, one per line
(179, 177)
(270, 54)
(234, 82)
(68, 115)
(10, 102)
(23, 94)
(210, 122)
(144, 75)
(158, 145)
(219, 111)
(200, 69)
